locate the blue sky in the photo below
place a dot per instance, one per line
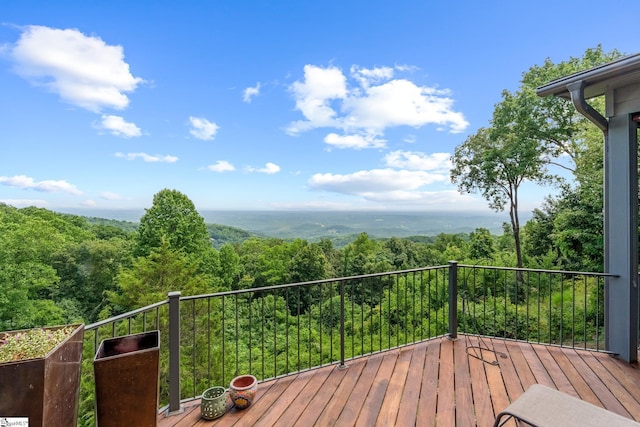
(282, 105)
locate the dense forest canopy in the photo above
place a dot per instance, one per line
(59, 268)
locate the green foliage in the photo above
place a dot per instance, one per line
(108, 228)
(30, 241)
(481, 244)
(496, 161)
(174, 218)
(230, 269)
(570, 225)
(92, 273)
(151, 278)
(569, 228)
(88, 270)
(32, 343)
(223, 234)
(529, 135)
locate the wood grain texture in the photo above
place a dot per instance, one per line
(436, 381)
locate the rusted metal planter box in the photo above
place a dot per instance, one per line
(126, 373)
(44, 390)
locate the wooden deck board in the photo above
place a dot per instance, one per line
(629, 379)
(497, 388)
(373, 403)
(319, 404)
(436, 380)
(407, 409)
(393, 395)
(331, 412)
(620, 395)
(299, 404)
(428, 400)
(355, 400)
(483, 406)
(446, 410)
(285, 399)
(537, 367)
(514, 352)
(508, 370)
(574, 378)
(560, 380)
(465, 412)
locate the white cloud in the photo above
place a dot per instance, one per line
(89, 203)
(83, 70)
(49, 186)
(406, 68)
(393, 188)
(23, 203)
(269, 169)
(440, 162)
(410, 139)
(119, 127)
(402, 103)
(367, 77)
(107, 195)
(313, 97)
(374, 102)
(148, 157)
(365, 183)
(250, 92)
(354, 141)
(221, 166)
(202, 128)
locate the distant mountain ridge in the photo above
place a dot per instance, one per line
(313, 225)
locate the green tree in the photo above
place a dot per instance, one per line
(539, 231)
(21, 303)
(174, 218)
(87, 270)
(528, 134)
(570, 225)
(230, 269)
(554, 121)
(406, 254)
(496, 162)
(307, 264)
(30, 240)
(481, 244)
(151, 278)
(366, 256)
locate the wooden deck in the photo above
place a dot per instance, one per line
(433, 383)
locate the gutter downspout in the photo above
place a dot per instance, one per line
(576, 89)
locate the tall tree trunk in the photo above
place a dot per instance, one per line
(515, 225)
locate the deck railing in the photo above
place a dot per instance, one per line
(279, 330)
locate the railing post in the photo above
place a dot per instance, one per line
(342, 365)
(174, 354)
(453, 299)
